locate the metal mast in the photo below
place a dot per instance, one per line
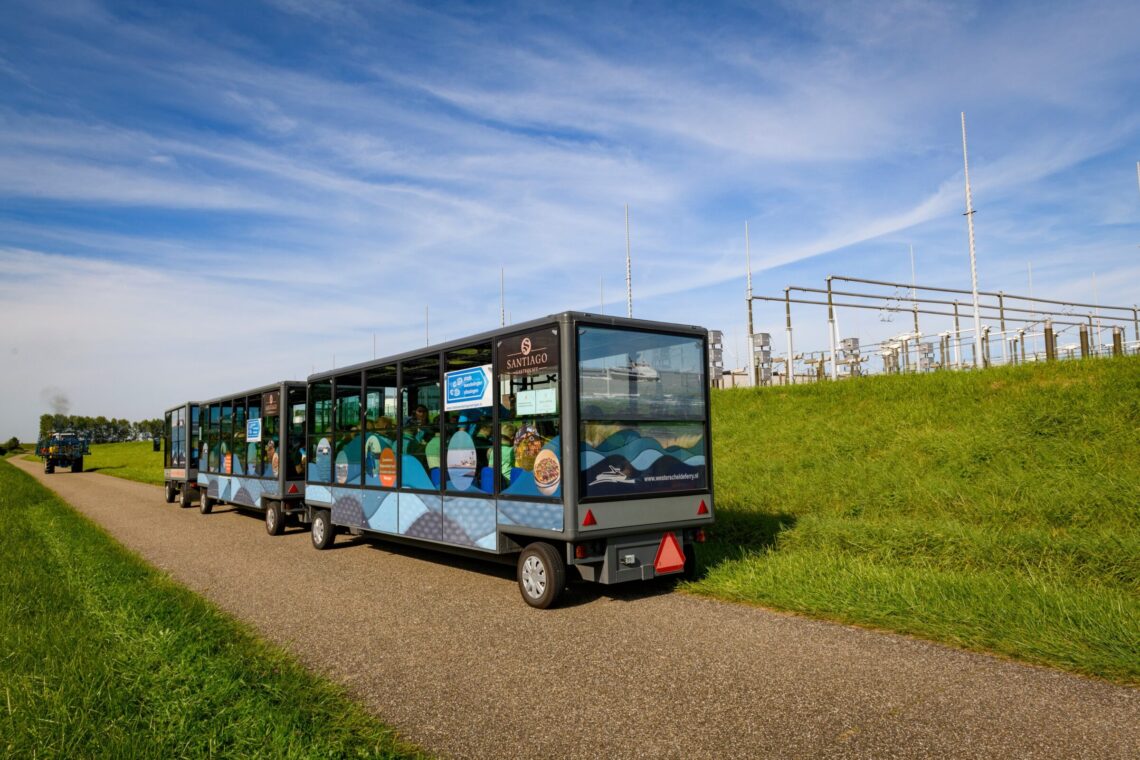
(973, 259)
(752, 368)
(502, 298)
(628, 270)
(789, 369)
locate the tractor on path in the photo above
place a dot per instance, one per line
(64, 449)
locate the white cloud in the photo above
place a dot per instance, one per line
(403, 154)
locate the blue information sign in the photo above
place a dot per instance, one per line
(253, 431)
(467, 388)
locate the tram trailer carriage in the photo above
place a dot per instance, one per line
(180, 446)
(465, 446)
(252, 452)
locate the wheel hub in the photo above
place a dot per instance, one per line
(534, 577)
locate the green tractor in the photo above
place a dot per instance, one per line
(63, 450)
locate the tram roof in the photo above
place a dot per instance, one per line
(533, 324)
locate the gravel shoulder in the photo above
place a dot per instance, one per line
(445, 650)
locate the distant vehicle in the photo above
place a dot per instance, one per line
(180, 438)
(64, 449)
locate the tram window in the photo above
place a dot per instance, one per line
(238, 449)
(195, 436)
(213, 439)
(382, 427)
(168, 435)
(253, 449)
(270, 434)
(468, 425)
(227, 438)
(319, 449)
(295, 457)
(420, 424)
(529, 441)
(178, 438)
(347, 433)
(642, 412)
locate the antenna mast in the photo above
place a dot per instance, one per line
(978, 359)
(502, 299)
(628, 270)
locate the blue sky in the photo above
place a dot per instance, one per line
(198, 198)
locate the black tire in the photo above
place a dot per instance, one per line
(690, 571)
(274, 519)
(49, 467)
(185, 498)
(541, 575)
(206, 505)
(322, 530)
(169, 492)
(77, 465)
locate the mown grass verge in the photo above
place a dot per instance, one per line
(105, 657)
(995, 510)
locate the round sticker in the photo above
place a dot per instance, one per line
(387, 468)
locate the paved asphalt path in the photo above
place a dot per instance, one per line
(446, 650)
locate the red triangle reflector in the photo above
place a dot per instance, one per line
(589, 520)
(293, 488)
(670, 558)
(702, 510)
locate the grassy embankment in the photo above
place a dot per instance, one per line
(995, 510)
(103, 656)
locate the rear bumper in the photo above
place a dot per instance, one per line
(631, 558)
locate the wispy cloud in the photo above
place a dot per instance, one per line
(311, 172)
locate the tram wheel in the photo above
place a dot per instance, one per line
(322, 531)
(274, 520)
(541, 574)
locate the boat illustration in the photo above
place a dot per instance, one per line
(614, 475)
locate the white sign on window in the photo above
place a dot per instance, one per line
(546, 401)
(525, 403)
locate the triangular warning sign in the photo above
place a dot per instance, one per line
(589, 520)
(670, 558)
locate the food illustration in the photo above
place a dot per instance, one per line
(528, 442)
(547, 472)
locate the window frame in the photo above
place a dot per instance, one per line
(561, 415)
(706, 422)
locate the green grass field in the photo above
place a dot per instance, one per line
(995, 510)
(103, 656)
(135, 460)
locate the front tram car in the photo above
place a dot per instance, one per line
(576, 444)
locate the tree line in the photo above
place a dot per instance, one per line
(101, 429)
